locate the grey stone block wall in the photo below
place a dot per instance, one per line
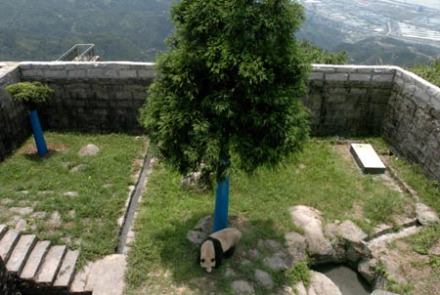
(92, 97)
(348, 100)
(412, 124)
(343, 100)
(14, 122)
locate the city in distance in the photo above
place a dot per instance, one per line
(376, 31)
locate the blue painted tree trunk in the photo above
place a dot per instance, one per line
(38, 133)
(221, 205)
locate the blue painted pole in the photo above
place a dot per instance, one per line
(221, 205)
(38, 133)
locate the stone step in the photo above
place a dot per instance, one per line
(35, 260)
(80, 281)
(21, 252)
(67, 270)
(8, 242)
(51, 265)
(3, 229)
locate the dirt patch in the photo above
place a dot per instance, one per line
(344, 151)
(408, 267)
(53, 147)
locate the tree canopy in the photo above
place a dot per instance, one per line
(30, 92)
(229, 82)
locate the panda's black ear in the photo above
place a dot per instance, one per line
(218, 252)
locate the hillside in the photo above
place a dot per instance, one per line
(136, 29)
(121, 29)
(383, 50)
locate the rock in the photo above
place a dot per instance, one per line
(107, 276)
(79, 168)
(71, 194)
(425, 215)
(196, 237)
(310, 220)
(351, 232)
(22, 210)
(55, 220)
(366, 270)
(205, 224)
(270, 245)
(38, 215)
(21, 225)
(88, 150)
(435, 249)
(230, 273)
(381, 292)
(264, 279)
(191, 180)
(296, 245)
(322, 285)
(242, 287)
(254, 254)
(278, 261)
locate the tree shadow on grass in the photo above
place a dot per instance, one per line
(34, 157)
(179, 256)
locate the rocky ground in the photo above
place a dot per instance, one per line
(382, 258)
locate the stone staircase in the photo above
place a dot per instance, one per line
(37, 267)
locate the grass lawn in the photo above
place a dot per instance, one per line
(162, 260)
(69, 199)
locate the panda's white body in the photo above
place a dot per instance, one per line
(217, 246)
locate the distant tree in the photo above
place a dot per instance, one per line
(230, 82)
(429, 72)
(315, 54)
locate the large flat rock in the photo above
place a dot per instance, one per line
(367, 159)
(310, 220)
(107, 276)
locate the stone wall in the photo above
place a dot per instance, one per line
(348, 100)
(92, 96)
(412, 124)
(343, 101)
(14, 124)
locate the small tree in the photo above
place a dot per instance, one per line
(32, 93)
(230, 82)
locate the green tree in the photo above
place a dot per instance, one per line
(31, 94)
(315, 54)
(429, 72)
(229, 83)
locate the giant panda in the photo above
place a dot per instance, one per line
(217, 246)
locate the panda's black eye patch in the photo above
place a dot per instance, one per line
(212, 260)
(202, 260)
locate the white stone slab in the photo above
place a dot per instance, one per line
(367, 158)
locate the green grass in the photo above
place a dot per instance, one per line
(88, 221)
(427, 190)
(162, 257)
(424, 240)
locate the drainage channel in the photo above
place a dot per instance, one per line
(133, 203)
(348, 281)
